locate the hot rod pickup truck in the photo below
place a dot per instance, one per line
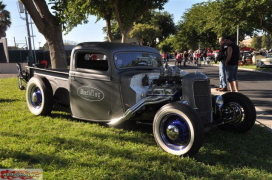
(113, 83)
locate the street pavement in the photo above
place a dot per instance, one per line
(264, 118)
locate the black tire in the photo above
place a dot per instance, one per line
(238, 112)
(39, 96)
(186, 135)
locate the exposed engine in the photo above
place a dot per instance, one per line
(168, 83)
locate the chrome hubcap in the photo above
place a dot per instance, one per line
(172, 132)
(34, 97)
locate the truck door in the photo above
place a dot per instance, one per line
(90, 86)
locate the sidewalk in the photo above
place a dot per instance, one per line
(247, 69)
(263, 118)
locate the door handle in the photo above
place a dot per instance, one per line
(74, 79)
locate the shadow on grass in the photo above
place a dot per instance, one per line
(8, 100)
(238, 150)
(57, 114)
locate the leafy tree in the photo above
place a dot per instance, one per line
(115, 31)
(256, 42)
(50, 26)
(5, 21)
(267, 41)
(77, 12)
(167, 45)
(128, 13)
(164, 21)
(203, 23)
(123, 12)
(192, 32)
(146, 34)
(185, 38)
(257, 13)
(249, 15)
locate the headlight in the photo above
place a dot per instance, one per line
(219, 101)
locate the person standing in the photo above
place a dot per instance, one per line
(198, 58)
(185, 58)
(178, 59)
(167, 57)
(194, 57)
(204, 56)
(215, 53)
(222, 54)
(233, 54)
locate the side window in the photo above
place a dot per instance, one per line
(92, 60)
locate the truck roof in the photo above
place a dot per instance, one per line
(114, 47)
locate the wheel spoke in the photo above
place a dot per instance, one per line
(233, 113)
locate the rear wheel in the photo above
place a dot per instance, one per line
(178, 130)
(238, 113)
(39, 96)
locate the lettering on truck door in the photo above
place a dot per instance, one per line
(90, 86)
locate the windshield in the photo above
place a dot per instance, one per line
(137, 59)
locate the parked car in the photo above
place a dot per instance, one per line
(247, 57)
(129, 83)
(264, 62)
(210, 55)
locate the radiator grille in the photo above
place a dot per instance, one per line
(202, 100)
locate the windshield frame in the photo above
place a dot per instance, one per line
(137, 59)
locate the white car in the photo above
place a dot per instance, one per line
(265, 62)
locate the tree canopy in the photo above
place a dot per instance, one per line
(124, 13)
(5, 20)
(146, 34)
(203, 23)
(50, 26)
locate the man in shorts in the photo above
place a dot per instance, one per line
(233, 54)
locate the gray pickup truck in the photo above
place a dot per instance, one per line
(113, 83)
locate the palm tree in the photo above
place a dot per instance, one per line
(5, 21)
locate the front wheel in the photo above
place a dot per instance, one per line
(178, 130)
(238, 113)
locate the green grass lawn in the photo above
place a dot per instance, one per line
(68, 149)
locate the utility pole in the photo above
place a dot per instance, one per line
(237, 35)
(28, 35)
(30, 53)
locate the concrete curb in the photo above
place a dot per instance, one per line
(246, 69)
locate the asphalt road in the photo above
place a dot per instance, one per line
(256, 85)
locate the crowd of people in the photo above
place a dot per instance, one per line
(228, 57)
(190, 57)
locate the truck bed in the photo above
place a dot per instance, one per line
(59, 80)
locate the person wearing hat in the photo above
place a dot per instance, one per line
(233, 54)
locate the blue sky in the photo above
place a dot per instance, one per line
(86, 32)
